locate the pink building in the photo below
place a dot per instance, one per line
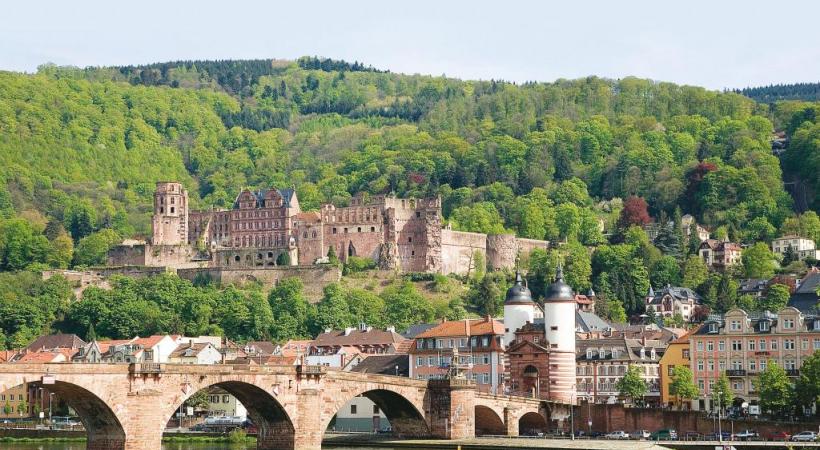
(741, 345)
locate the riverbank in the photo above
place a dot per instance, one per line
(495, 444)
(15, 435)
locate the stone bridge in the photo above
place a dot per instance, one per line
(127, 407)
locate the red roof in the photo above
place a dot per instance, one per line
(295, 347)
(42, 357)
(7, 355)
(460, 328)
(150, 341)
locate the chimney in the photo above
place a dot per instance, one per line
(391, 329)
(348, 330)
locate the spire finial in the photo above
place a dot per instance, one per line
(559, 273)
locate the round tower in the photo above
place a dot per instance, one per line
(559, 328)
(170, 222)
(518, 309)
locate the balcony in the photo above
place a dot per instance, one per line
(735, 372)
(793, 372)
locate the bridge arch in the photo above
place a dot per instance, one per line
(403, 411)
(532, 423)
(102, 425)
(487, 421)
(274, 425)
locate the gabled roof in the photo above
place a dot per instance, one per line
(52, 341)
(189, 350)
(149, 341)
(7, 355)
(357, 337)
(588, 321)
(805, 298)
(259, 196)
(260, 347)
(417, 329)
(42, 357)
(295, 347)
(678, 293)
(385, 365)
(520, 345)
(467, 327)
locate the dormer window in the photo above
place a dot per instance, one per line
(589, 353)
(643, 353)
(652, 354)
(816, 324)
(713, 327)
(764, 325)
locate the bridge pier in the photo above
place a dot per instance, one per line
(452, 409)
(511, 421)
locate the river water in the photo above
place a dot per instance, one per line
(168, 446)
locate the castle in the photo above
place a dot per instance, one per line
(267, 229)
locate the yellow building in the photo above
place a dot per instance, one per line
(677, 354)
(11, 401)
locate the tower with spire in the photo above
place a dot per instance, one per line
(559, 329)
(519, 308)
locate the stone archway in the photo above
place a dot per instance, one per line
(531, 424)
(530, 383)
(488, 422)
(406, 419)
(274, 425)
(101, 423)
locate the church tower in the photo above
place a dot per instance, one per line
(518, 309)
(559, 328)
(170, 222)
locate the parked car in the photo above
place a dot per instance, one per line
(597, 434)
(746, 435)
(666, 434)
(617, 435)
(779, 436)
(805, 436)
(722, 436)
(640, 434)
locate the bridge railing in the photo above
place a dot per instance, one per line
(145, 367)
(311, 370)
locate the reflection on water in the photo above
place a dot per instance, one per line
(167, 446)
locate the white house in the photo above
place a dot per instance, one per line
(803, 247)
(195, 353)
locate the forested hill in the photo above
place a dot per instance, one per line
(80, 149)
(777, 92)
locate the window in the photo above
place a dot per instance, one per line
(450, 343)
(700, 366)
(485, 378)
(226, 398)
(738, 385)
(762, 365)
(711, 365)
(710, 346)
(721, 365)
(737, 346)
(816, 344)
(737, 364)
(372, 229)
(805, 344)
(353, 409)
(700, 346)
(764, 325)
(774, 344)
(419, 361)
(751, 344)
(752, 365)
(684, 354)
(440, 343)
(762, 345)
(788, 323)
(462, 342)
(788, 344)
(789, 364)
(701, 385)
(721, 346)
(670, 370)
(485, 359)
(431, 361)
(375, 409)
(734, 325)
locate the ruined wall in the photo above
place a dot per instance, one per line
(152, 255)
(458, 248)
(314, 278)
(252, 257)
(502, 251)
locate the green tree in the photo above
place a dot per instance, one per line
(807, 387)
(481, 217)
(577, 266)
(722, 395)
(695, 272)
(198, 401)
(366, 307)
(93, 249)
(333, 312)
(758, 261)
(683, 385)
(665, 272)
(7, 408)
(292, 313)
(487, 296)
(405, 306)
(775, 390)
(331, 256)
(777, 297)
(80, 219)
(632, 385)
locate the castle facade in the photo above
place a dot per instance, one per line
(267, 228)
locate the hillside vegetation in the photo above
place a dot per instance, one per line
(81, 149)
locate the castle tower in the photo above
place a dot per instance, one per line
(559, 328)
(518, 309)
(170, 222)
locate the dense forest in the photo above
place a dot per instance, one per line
(81, 149)
(777, 92)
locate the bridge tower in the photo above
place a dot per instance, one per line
(518, 309)
(169, 225)
(559, 328)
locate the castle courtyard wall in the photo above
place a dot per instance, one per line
(458, 249)
(314, 277)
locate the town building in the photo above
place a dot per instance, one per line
(742, 344)
(805, 296)
(223, 404)
(677, 354)
(365, 339)
(670, 301)
(719, 255)
(802, 247)
(195, 353)
(687, 220)
(474, 344)
(586, 303)
(266, 229)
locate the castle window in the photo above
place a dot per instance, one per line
(372, 229)
(334, 230)
(161, 210)
(410, 239)
(345, 230)
(173, 200)
(162, 200)
(314, 234)
(555, 328)
(237, 258)
(413, 253)
(304, 235)
(418, 214)
(359, 230)
(172, 210)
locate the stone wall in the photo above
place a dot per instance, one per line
(143, 254)
(314, 278)
(458, 249)
(606, 418)
(525, 246)
(502, 251)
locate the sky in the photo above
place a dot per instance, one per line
(716, 44)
